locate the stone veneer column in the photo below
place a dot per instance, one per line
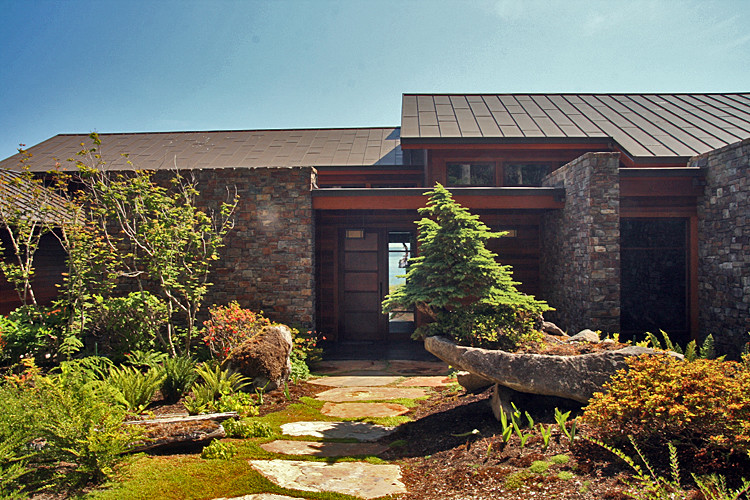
(580, 245)
(268, 261)
(724, 246)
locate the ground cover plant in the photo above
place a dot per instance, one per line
(458, 283)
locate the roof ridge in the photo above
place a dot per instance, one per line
(73, 134)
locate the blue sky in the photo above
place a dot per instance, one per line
(70, 66)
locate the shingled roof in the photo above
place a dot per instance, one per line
(643, 125)
(239, 148)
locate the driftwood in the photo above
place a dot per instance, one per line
(176, 430)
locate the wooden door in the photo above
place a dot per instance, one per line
(361, 288)
(370, 261)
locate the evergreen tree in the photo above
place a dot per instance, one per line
(458, 283)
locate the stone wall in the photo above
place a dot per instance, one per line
(580, 245)
(724, 246)
(268, 261)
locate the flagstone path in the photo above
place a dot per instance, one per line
(360, 389)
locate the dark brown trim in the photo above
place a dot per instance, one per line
(413, 198)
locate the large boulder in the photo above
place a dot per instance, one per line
(572, 377)
(264, 358)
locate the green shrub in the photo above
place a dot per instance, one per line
(246, 429)
(218, 450)
(135, 389)
(458, 284)
(305, 351)
(69, 417)
(123, 324)
(179, 375)
(241, 402)
(28, 332)
(703, 406)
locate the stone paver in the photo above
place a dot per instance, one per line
(344, 394)
(362, 410)
(261, 496)
(351, 478)
(399, 367)
(355, 381)
(426, 381)
(361, 431)
(323, 449)
(331, 367)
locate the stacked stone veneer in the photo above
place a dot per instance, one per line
(724, 246)
(580, 245)
(267, 263)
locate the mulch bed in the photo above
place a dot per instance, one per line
(438, 462)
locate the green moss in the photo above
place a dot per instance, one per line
(565, 475)
(315, 403)
(386, 421)
(188, 477)
(539, 466)
(560, 459)
(516, 480)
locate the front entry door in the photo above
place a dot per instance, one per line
(370, 260)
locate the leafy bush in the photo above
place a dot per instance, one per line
(123, 324)
(459, 285)
(703, 406)
(134, 389)
(246, 429)
(179, 375)
(27, 331)
(68, 417)
(218, 450)
(230, 326)
(241, 402)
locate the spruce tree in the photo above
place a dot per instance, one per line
(458, 283)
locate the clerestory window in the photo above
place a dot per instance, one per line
(470, 174)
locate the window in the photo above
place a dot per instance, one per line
(470, 174)
(525, 174)
(654, 277)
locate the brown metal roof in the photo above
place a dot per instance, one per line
(218, 149)
(644, 125)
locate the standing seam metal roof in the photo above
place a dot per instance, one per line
(644, 125)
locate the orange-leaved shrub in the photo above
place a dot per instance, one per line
(701, 406)
(230, 326)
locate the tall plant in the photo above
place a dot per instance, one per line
(27, 211)
(458, 283)
(137, 229)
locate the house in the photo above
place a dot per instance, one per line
(626, 212)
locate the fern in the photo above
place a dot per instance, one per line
(221, 382)
(179, 375)
(134, 389)
(708, 350)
